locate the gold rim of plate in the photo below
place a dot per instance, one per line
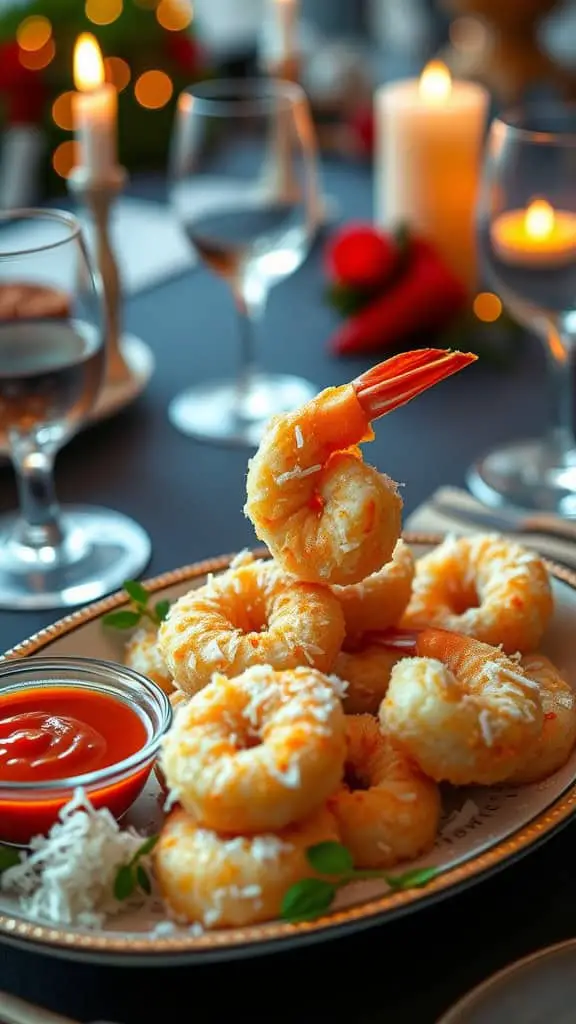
(370, 911)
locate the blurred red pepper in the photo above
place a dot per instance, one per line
(426, 297)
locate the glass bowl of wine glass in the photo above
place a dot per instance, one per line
(52, 362)
(527, 238)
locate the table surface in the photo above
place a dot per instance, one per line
(189, 497)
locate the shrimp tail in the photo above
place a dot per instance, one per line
(393, 639)
(403, 377)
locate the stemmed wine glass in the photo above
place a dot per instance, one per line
(527, 235)
(52, 362)
(244, 188)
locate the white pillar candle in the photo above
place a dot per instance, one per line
(95, 111)
(429, 136)
(279, 41)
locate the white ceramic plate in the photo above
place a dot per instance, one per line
(482, 829)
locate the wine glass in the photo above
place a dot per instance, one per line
(243, 186)
(52, 362)
(527, 236)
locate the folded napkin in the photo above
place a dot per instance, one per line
(427, 519)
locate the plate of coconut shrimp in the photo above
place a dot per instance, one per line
(363, 721)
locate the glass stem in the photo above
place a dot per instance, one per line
(561, 348)
(40, 524)
(250, 305)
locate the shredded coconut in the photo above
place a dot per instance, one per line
(485, 726)
(299, 436)
(68, 878)
(297, 474)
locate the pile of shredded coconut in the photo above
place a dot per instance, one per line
(68, 878)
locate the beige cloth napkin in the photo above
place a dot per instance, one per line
(427, 519)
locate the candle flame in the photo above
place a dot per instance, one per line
(539, 219)
(435, 83)
(88, 64)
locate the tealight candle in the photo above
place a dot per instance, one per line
(538, 236)
(429, 135)
(95, 111)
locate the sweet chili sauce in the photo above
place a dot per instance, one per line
(51, 733)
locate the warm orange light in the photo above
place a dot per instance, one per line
(174, 15)
(65, 158)
(117, 72)
(487, 307)
(539, 219)
(153, 89)
(35, 60)
(62, 112)
(33, 33)
(88, 63)
(435, 83)
(103, 12)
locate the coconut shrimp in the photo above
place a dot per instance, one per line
(223, 881)
(366, 671)
(463, 710)
(325, 515)
(379, 601)
(256, 752)
(558, 737)
(250, 615)
(387, 811)
(485, 586)
(143, 655)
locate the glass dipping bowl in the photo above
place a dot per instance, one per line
(31, 808)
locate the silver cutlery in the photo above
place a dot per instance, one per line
(18, 1011)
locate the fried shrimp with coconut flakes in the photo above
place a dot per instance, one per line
(387, 811)
(143, 655)
(380, 600)
(257, 752)
(367, 672)
(556, 741)
(252, 614)
(224, 881)
(325, 515)
(485, 586)
(464, 711)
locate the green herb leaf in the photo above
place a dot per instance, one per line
(124, 883)
(143, 880)
(162, 609)
(307, 899)
(330, 858)
(9, 857)
(122, 620)
(146, 848)
(415, 879)
(136, 591)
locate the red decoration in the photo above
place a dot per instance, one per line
(359, 257)
(24, 89)
(423, 296)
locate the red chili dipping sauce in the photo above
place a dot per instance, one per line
(62, 732)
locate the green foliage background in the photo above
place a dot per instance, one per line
(135, 36)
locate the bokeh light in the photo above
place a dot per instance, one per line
(65, 158)
(33, 33)
(103, 12)
(63, 112)
(174, 15)
(117, 72)
(153, 89)
(35, 60)
(487, 307)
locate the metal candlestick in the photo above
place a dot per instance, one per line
(126, 355)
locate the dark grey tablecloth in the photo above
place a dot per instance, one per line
(190, 497)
